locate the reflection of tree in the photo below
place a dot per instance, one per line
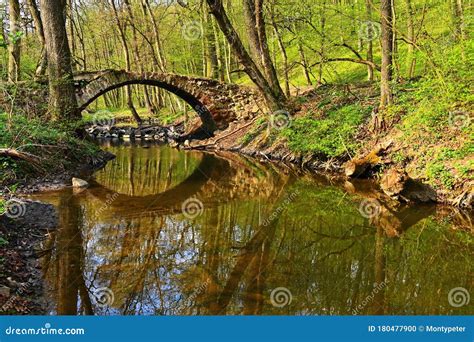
(226, 261)
(67, 262)
(378, 304)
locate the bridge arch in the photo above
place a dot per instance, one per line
(217, 104)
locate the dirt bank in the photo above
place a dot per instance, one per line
(21, 231)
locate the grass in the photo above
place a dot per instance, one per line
(333, 135)
(54, 143)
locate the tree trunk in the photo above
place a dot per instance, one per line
(14, 46)
(35, 14)
(268, 65)
(126, 52)
(274, 101)
(210, 43)
(156, 34)
(387, 58)
(411, 61)
(138, 60)
(62, 96)
(284, 55)
(370, 45)
(250, 22)
(322, 52)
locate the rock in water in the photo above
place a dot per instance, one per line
(79, 183)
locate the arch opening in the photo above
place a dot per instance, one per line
(89, 93)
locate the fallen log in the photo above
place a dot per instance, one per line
(15, 154)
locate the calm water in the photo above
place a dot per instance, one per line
(167, 232)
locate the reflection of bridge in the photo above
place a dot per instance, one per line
(216, 103)
(213, 179)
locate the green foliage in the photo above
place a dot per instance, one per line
(330, 136)
(438, 171)
(54, 141)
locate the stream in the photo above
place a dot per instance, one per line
(168, 232)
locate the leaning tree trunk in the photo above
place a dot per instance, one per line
(268, 65)
(274, 101)
(62, 96)
(14, 47)
(387, 53)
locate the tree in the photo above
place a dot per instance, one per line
(35, 14)
(14, 46)
(126, 51)
(386, 10)
(62, 96)
(273, 94)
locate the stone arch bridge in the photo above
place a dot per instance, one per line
(216, 103)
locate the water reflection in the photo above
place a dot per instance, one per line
(261, 228)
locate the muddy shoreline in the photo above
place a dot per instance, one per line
(23, 226)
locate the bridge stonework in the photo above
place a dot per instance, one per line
(216, 103)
